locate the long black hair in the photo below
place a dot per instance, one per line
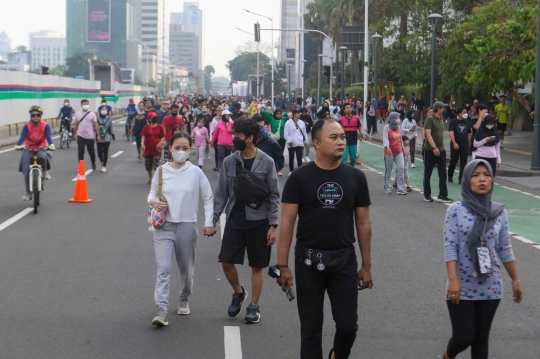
(484, 132)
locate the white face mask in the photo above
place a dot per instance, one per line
(180, 156)
(66, 104)
(104, 112)
(489, 127)
(465, 116)
(85, 107)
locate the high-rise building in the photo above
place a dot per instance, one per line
(48, 49)
(184, 51)
(194, 22)
(5, 46)
(289, 50)
(109, 28)
(155, 36)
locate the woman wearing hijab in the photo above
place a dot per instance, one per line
(393, 152)
(137, 126)
(476, 241)
(186, 117)
(106, 135)
(486, 142)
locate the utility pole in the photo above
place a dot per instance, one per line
(535, 163)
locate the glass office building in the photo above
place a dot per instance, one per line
(109, 28)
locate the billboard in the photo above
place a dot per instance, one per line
(98, 17)
(291, 54)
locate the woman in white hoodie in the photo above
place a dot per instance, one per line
(183, 183)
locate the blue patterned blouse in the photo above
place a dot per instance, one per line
(457, 228)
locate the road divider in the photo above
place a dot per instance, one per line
(15, 218)
(233, 344)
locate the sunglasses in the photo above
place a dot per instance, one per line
(36, 115)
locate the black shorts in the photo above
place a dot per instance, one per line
(502, 126)
(236, 241)
(151, 162)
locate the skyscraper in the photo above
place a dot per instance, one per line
(108, 28)
(155, 36)
(194, 22)
(289, 49)
(5, 46)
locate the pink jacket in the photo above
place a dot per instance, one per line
(223, 134)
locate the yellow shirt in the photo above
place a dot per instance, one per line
(253, 109)
(502, 112)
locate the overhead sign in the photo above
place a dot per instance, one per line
(353, 37)
(291, 55)
(98, 25)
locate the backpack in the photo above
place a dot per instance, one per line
(248, 188)
(103, 129)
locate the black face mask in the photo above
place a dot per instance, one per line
(154, 120)
(239, 144)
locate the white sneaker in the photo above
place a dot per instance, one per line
(413, 165)
(208, 157)
(46, 175)
(103, 169)
(303, 159)
(307, 159)
(183, 307)
(27, 196)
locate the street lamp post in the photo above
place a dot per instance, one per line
(435, 18)
(303, 77)
(272, 57)
(289, 83)
(366, 55)
(535, 163)
(376, 37)
(319, 75)
(343, 50)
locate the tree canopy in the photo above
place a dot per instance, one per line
(78, 64)
(209, 71)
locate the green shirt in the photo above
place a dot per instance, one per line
(274, 124)
(437, 132)
(502, 112)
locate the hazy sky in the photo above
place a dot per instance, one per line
(20, 17)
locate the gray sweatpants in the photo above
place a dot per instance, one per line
(389, 163)
(179, 239)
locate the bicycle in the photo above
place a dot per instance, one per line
(35, 176)
(65, 138)
(128, 129)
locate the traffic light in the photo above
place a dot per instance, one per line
(44, 70)
(257, 32)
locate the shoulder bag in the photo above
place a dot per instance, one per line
(156, 218)
(276, 136)
(248, 188)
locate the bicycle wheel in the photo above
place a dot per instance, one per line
(62, 140)
(128, 132)
(68, 141)
(35, 190)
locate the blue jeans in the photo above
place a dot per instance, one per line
(388, 164)
(350, 150)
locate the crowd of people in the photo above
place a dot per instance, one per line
(328, 197)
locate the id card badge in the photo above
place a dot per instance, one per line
(484, 260)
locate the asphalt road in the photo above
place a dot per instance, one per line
(77, 280)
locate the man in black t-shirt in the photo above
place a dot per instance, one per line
(247, 229)
(460, 136)
(331, 200)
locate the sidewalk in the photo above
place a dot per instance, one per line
(516, 156)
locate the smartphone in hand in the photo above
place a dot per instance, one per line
(289, 293)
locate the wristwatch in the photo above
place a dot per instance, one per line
(434, 147)
(274, 225)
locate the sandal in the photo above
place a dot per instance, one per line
(330, 354)
(140, 160)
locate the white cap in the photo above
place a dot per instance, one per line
(226, 112)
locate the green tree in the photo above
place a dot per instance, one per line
(78, 64)
(209, 71)
(492, 50)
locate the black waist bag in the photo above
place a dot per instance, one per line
(248, 188)
(333, 260)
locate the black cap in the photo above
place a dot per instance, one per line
(257, 117)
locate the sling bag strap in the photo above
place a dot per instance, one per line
(84, 117)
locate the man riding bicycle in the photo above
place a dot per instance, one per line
(131, 111)
(66, 114)
(35, 134)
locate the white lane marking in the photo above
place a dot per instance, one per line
(524, 240)
(536, 197)
(369, 168)
(134, 143)
(527, 193)
(511, 189)
(233, 345)
(117, 154)
(417, 189)
(121, 122)
(511, 233)
(222, 219)
(377, 145)
(536, 246)
(379, 173)
(15, 218)
(86, 173)
(496, 184)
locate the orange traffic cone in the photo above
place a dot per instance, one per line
(358, 159)
(81, 191)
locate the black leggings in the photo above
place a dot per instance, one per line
(103, 152)
(492, 161)
(471, 323)
(282, 144)
(299, 152)
(81, 142)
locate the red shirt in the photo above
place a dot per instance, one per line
(152, 137)
(168, 124)
(394, 139)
